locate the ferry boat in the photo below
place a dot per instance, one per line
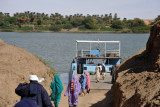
(91, 53)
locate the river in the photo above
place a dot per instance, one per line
(58, 48)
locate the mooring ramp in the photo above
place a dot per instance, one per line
(102, 84)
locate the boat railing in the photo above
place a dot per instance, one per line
(83, 53)
(104, 51)
(90, 53)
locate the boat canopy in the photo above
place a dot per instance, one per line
(85, 41)
(104, 50)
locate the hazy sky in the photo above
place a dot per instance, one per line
(144, 9)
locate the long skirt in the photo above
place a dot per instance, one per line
(97, 75)
(73, 100)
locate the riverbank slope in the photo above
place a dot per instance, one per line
(138, 82)
(16, 64)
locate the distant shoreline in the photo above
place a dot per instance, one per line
(65, 31)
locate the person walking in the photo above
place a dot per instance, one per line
(103, 71)
(73, 91)
(88, 83)
(57, 89)
(34, 91)
(98, 70)
(83, 81)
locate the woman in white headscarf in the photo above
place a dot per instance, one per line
(98, 70)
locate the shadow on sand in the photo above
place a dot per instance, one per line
(106, 102)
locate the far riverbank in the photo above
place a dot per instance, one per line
(73, 30)
(65, 31)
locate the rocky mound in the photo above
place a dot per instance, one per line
(16, 65)
(138, 82)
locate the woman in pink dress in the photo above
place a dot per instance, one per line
(88, 83)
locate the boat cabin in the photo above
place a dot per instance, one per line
(91, 53)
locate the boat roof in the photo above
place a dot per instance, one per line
(97, 57)
(89, 41)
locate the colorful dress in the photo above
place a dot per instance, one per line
(103, 71)
(83, 81)
(57, 89)
(98, 70)
(73, 94)
(88, 82)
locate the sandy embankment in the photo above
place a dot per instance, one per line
(138, 82)
(16, 65)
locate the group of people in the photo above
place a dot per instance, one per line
(35, 95)
(77, 86)
(32, 94)
(85, 83)
(100, 70)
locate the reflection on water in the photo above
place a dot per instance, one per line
(58, 48)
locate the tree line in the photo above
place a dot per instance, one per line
(56, 22)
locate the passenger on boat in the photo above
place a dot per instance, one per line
(73, 91)
(57, 89)
(103, 71)
(98, 70)
(88, 83)
(83, 81)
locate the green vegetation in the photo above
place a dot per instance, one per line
(32, 21)
(68, 26)
(16, 28)
(117, 24)
(107, 29)
(55, 28)
(140, 29)
(156, 19)
(41, 28)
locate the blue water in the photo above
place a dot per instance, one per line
(58, 48)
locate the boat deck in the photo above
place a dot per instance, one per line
(103, 84)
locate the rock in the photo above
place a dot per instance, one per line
(153, 43)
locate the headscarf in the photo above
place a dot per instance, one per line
(77, 87)
(103, 64)
(88, 81)
(56, 87)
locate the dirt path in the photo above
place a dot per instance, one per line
(89, 100)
